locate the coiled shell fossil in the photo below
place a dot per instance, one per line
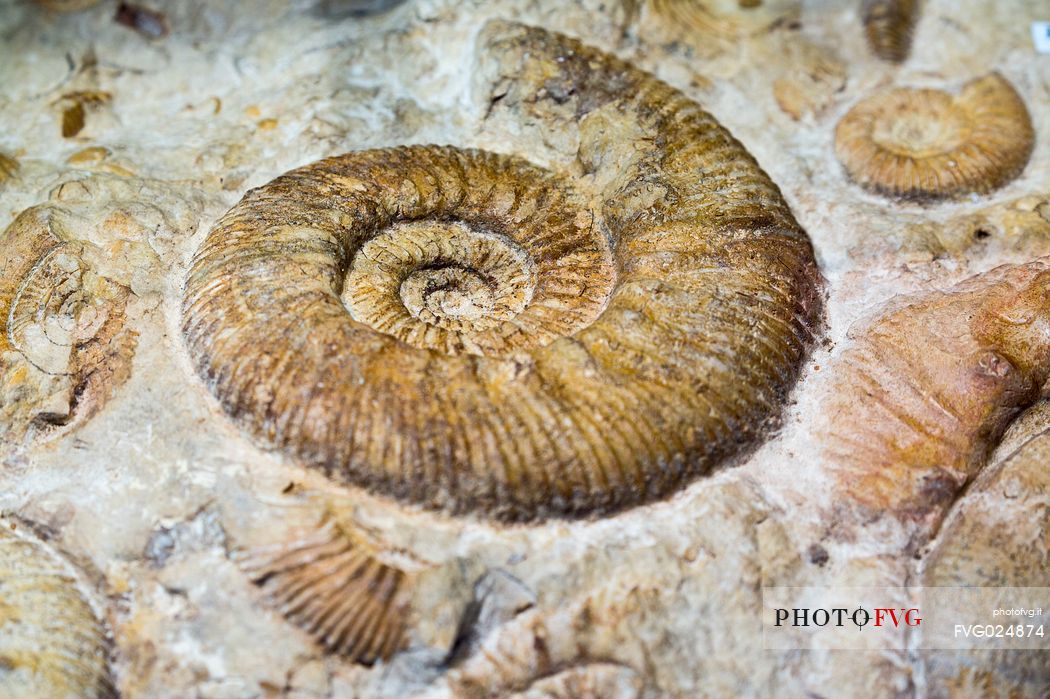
(467, 331)
(64, 344)
(889, 25)
(51, 643)
(928, 144)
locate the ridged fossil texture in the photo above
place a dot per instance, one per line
(467, 331)
(725, 18)
(889, 25)
(930, 386)
(335, 587)
(924, 144)
(997, 537)
(982, 545)
(64, 344)
(51, 643)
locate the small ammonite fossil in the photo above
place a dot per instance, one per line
(888, 26)
(924, 144)
(51, 642)
(64, 342)
(467, 331)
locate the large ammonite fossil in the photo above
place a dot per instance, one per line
(929, 144)
(51, 643)
(467, 331)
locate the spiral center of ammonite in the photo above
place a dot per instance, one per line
(451, 293)
(441, 285)
(920, 133)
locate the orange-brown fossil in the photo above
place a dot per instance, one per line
(334, 585)
(719, 19)
(51, 643)
(64, 343)
(927, 144)
(467, 331)
(888, 25)
(929, 387)
(8, 167)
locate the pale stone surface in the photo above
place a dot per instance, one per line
(151, 495)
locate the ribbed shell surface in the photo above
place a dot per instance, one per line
(51, 644)
(599, 352)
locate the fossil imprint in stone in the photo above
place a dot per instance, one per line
(335, 585)
(466, 331)
(722, 19)
(889, 25)
(64, 343)
(929, 387)
(51, 643)
(925, 144)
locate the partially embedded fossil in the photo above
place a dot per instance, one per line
(8, 167)
(64, 344)
(527, 652)
(889, 25)
(924, 144)
(467, 331)
(809, 81)
(929, 387)
(983, 544)
(998, 537)
(333, 584)
(720, 19)
(51, 643)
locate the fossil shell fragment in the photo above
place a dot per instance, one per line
(51, 643)
(64, 344)
(814, 77)
(333, 586)
(924, 144)
(466, 331)
(518, 650)
(998, 536)
(930, 386)
(8, 167)
(889, 25)
(725, 18)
